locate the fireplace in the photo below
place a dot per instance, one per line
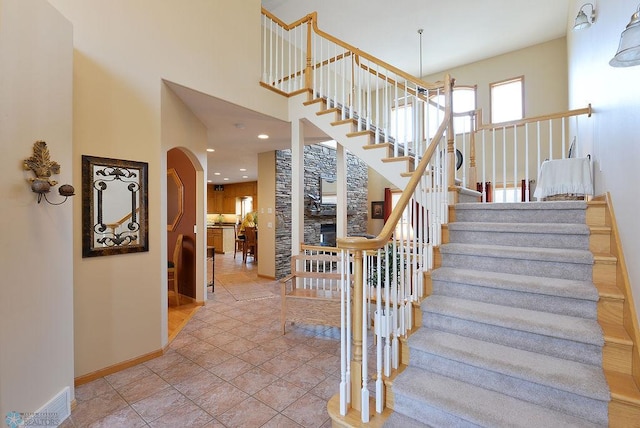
(328, 235)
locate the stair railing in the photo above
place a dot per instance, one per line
(378, 97)
(505, 158)
(413, 118)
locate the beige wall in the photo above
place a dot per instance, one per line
(123, 50)
(614, 131)
(181, 128)
(267, 200)
(543, 66)
(375, 186)
(36, 292)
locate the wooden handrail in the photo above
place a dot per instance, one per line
(312, 19)
(522, 122)
(360, 243)
(402, 86)
(370, 57)
(119, 223)
(286, 26)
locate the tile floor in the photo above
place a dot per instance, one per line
(229, 367)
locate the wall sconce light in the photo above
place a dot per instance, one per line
(629, 48)
(582, 21)
(43, 167)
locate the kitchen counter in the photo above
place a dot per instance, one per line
(222, 236)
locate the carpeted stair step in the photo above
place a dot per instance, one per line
(559, 296)
(530, 212)
(549, 262)
(574, 388)
(398, 420)
(444, 402)
(553, 235)
(573, 338)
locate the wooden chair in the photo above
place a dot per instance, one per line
(250, 244)
(239, 246)
(174, 267)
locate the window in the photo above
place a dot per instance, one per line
(464, 100)
(508, 194)
(507, 100)
(402, 122)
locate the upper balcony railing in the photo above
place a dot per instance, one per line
(504, 159)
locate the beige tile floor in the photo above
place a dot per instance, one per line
(229, 367)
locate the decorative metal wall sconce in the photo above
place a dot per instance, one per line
(582, 20)
(43, 167)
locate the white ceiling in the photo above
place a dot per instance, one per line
(455, 32)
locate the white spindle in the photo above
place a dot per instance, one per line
(515, 163)
(387, 314)
(343, 335)
(550, 139)
(364, 396)
(526, 162)
(504, 164)
(484, 169)
(539, 144)
(564, 147)
(493, 170)
(379, 330)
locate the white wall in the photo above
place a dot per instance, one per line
(615, 96)
(36, 258)
(123, 51)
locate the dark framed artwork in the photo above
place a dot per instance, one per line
(114, 206)
(377, 209)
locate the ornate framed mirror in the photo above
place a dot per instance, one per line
(175, 199)
(114, 206)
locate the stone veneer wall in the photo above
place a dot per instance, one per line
(319, 161)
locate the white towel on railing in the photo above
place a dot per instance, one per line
(565, 176)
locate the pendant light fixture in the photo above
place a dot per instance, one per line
(628, 53)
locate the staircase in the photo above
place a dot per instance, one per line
(510, 332)
(530, 320)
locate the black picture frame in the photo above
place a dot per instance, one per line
(377, 210)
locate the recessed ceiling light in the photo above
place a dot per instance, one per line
(209, 181)
(245, 176)
(216, 173)
(226, 179)
(211, 150)
(243, 169)
(263, 136)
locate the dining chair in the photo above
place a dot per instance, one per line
(239, 245)
(174, 268)
(250, 244)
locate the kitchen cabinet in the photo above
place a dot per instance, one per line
(224, 201)
(229, 204)
(223, 238)
(214, 200)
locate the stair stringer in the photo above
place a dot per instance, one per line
(392, 171)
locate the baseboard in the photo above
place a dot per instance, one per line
(267, 277)
(81, 380)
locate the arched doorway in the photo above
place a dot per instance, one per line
(182, 217)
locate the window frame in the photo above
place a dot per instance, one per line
(505, 82)
(474, 89)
